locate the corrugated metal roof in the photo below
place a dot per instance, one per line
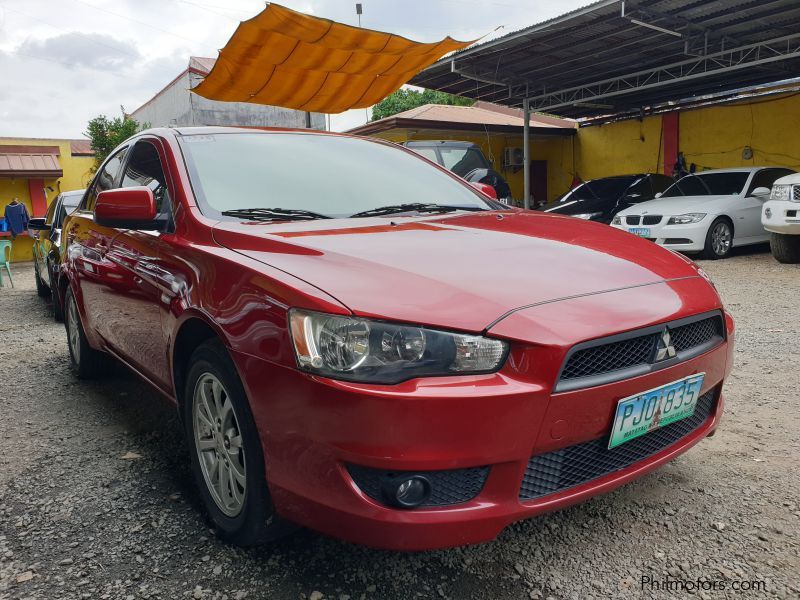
(473, 114)
(482, 118)
(596, 43)
(29, 165)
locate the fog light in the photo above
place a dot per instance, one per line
(406, 492)
(768, 212)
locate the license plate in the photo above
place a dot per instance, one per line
(640, 231)
(645, 412)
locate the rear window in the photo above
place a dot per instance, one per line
(709, 184)
(600, 188)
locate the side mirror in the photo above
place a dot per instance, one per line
(38, 224)
(126, 208)
(760, 192)
(484, 188)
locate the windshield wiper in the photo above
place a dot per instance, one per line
(273, 214)
(411, 207)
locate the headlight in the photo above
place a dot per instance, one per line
(355, 349)
(686, 219)
(587, 216)
(616, 221)
(781, 192)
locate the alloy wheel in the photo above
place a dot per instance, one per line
(73, 330)
(219, 444)
(721, 239)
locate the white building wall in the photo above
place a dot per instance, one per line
(177, 106)
(172, 106)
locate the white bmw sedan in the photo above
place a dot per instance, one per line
(708, 212)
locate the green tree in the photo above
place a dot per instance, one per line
(106, 134)
(404, 99)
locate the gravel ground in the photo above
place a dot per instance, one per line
(97, 501)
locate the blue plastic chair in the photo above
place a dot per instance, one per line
(5, 261)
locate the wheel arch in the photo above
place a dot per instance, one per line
(193, 329)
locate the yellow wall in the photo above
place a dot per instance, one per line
(77, 174)
(711, 137)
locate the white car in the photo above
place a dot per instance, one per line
(781, 217)
(708, 212)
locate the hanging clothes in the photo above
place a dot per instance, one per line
(17, 217)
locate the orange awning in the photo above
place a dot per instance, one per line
(286, 58)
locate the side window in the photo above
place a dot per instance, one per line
(766, 177)
(105, 179)
(51, 210)
(145, 169)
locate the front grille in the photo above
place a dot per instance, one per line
(633, 219)
(796, 193)
(565, 468)
(651, 219)
(453, 486)
(611, 359)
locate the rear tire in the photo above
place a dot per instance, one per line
(785, 248)
(58, 307)
(719, 239)
(226, 454)
(41, 287)
(85, 361)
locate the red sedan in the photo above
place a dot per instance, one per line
(360, 342)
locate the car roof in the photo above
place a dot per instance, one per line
(432, 143)
(734, 170)
(72, 193)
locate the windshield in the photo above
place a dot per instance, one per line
(331, 175)
(462, 160)
(599, 188)
(708, 184)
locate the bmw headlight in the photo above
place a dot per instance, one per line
(686, 219)
(587, 216)
(355, 349)
(781, 192)
(616, 220)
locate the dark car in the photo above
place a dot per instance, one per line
(46, 243)
(601, 199)
(465, 159)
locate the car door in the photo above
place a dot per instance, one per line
(43, 242)
(87, 244)
(137, 333)
(747, 223)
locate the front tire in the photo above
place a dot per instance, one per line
(225, 448)
(719, 239)
(85, 361)
(785, 248)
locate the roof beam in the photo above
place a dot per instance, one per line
(743, 57)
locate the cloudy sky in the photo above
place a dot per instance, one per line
(63, 62)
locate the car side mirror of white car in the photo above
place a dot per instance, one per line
(761, 192)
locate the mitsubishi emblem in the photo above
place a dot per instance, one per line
(664, 347)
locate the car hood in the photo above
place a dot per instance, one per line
(678, 205)
(461, 271)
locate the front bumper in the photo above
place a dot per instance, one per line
(313, 428)
(784, 217)
(683, 238)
